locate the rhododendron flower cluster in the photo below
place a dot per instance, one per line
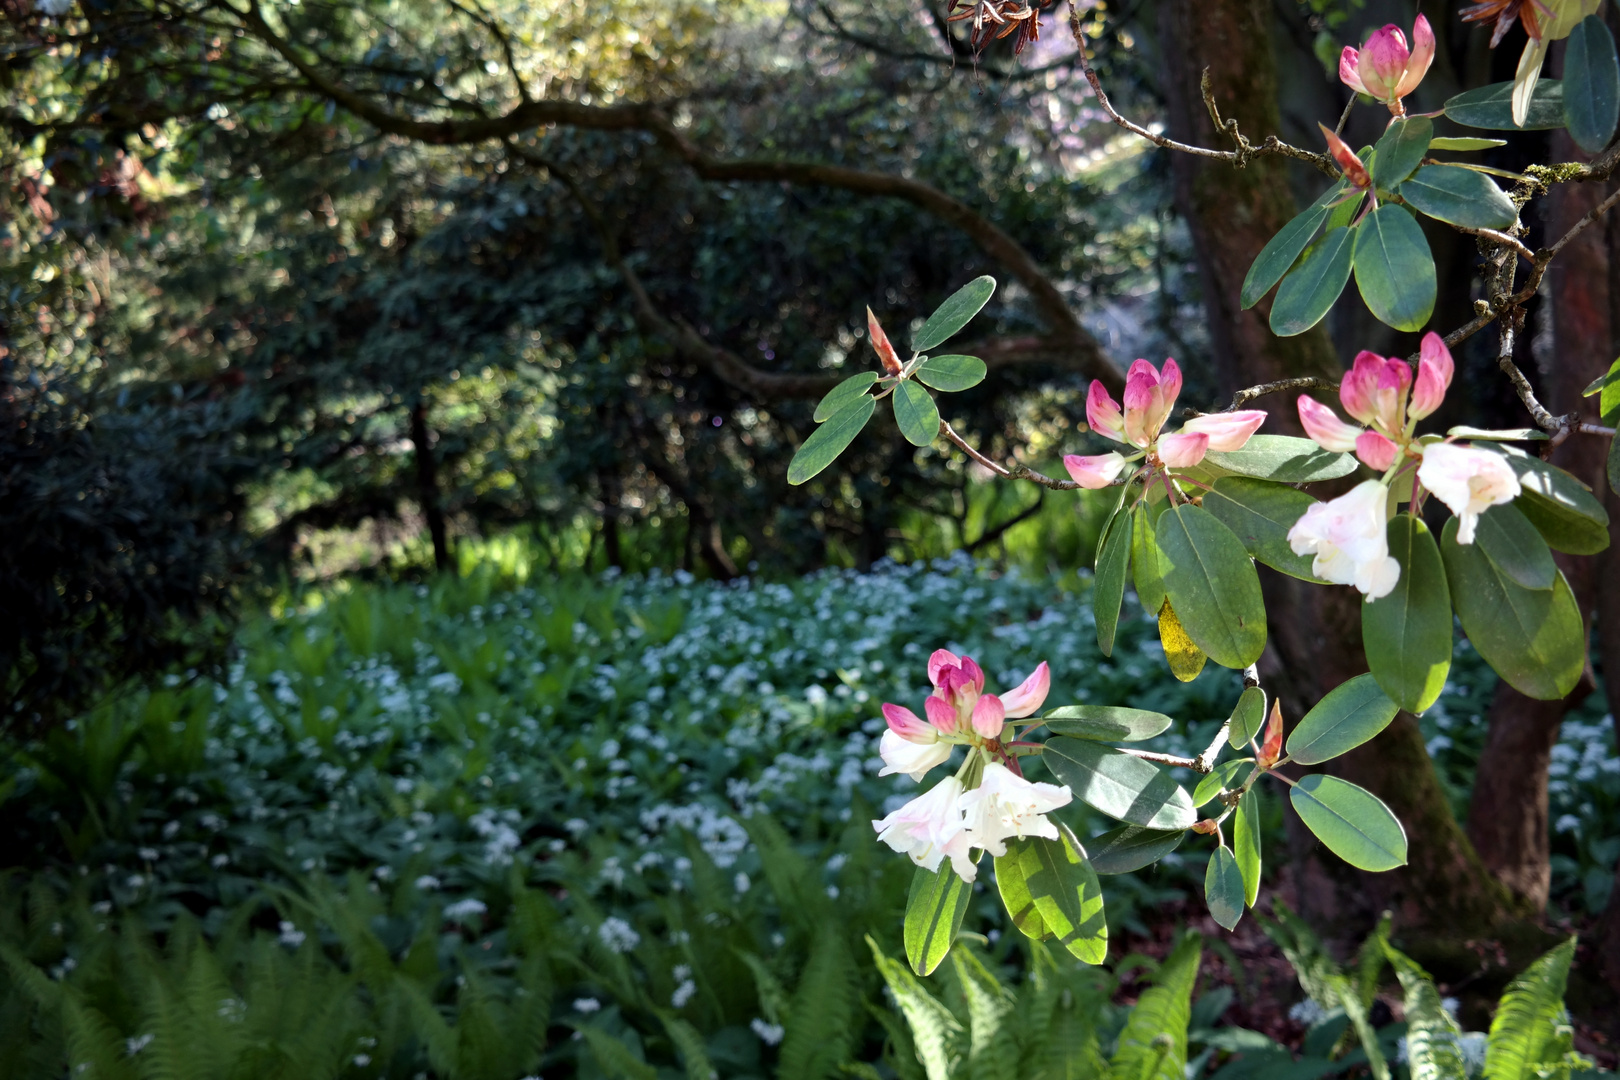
(1386, 68)
(1347, 535)
(987, 801)
(1150, 394)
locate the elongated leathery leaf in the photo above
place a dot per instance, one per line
(1394, 268)
(1562, 508)
(1260, 513)
(1107, 723)
(1212, 585)
(829, 440)
(1351, 821)
(1309, 291)
(1246, 843)
(1280, 253)
(1113, 559)
(1050, 890)
(1524, 1032)
(1282, 458)
(1460, 196)
(954, 313)
(1145, 569)
(1248, 717)
(1121, 786)
(1223, 888)
(934, 912)
(845, 392)
(1181, 652)
(1591, 84)
(1450, 142)
(1350, 714)
(1534, 638)
(1220, 778)
(1131, 847)
(1400, 150)
(1407, 633)
(1492, 107)
(915, 412)
(951, 372)
(1515, 547)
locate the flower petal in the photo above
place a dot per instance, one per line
(1028, 695)
(907, 724)
(1435, 368)
(941, 713)
(1422, 56)
(1227, 431)
(989, 716)
(1096, 471)
(942, 658)
(1184, 449)
(1375, 451)
(1324, 426)
(1349, 61)
(1103, 413)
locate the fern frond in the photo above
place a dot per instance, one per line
(773, 1000)
(1071, 1048)
(1153, 1045)
(820, 1035)
(791, 877)
(689, 1043)
(934, 1029)
(95, 1050)
(991, 1052)
(1433, 1039)
(1524, 1031)
(615, 1058)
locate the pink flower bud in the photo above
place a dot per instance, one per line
(880, 342)
(1375, 451)
(1386, 68)
(1435, 369)
(1184, 449)
(1096, 471)
(907, 724)
(1103, 414)
(1349, 164)
(1349, 61)
(989, 716)
(1227, 431)
(1389, 398)
(1029, 695)
(1325, 428)
(1422, 56)
(939, 661)
(1374, 390)
(1143, 399)
(941, 714)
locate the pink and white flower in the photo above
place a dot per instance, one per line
(1380, 392)
(1386, 68)
(911, 745)
(1347, 537)
(959, 704)
(1005, 804)
(1150, 395)
(1468, 480)
(930, 829)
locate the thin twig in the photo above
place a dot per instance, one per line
(1017, 472)
(1162, 759)
(1501, 238)
(1248, 394)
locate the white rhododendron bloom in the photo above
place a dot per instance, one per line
(1348, 540)
(929, 829)
(1005, 804)
(1469, 481)
(901, 755)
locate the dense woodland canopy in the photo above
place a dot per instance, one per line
(284, 281)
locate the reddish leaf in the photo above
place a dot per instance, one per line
(1271, 751)
(880, 342)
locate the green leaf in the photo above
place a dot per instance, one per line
(1400, 150)
(1223, 888)
(1433, 1039)
(1213, 586)
(954, 313)
(1260, 513)
(1131, 847)
(1591, 84)
(934, 1028)
(1533, 638)
(1350, 714)
(951, 372)
(1562, 509)
(1492, 107)
(1145, 569)
(1394, 268)
(1113, 558)
(1051, 891)
(1248, 718)
(1219, 779)
(915, 412)
(1107, 723)
(1464, 143)
(1283, 458)
(829, 440)
(1351, 821)
(1181, 653)
(1463, 431)
(1153, 1044)
(1280, 253)
(1515, 547)
(842, 394)
(1407, 633)
(1608, 387)
(934, 912)
(1524, 1034)
(1460, 196)
(1306, 294)
(1246, 843)
(1121, 786)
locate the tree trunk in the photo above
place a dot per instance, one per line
(427, 484)
(1315, 631)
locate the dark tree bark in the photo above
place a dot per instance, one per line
(427, 484)
(1315, 632)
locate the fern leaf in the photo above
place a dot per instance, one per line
(1153, 1045)
(820, 1035)
(615, 1057)
(689, 1042)
(991, 1053)
(934, 1029)
(1524, 1031)
(1072, 1050)
(1433, 1039)
(773, 1000)
(95, 1051)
